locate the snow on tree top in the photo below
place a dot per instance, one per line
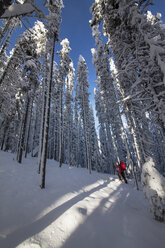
(158, 15)
(81, 59)
(65, 42)
(65, 45)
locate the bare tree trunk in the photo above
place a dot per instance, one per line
(55, 143)
(33, 135)
(86, 134)
(29, 125)
(111, 145)
(42, 125)
(47, 116)
(129, 157)
(55, 152)
(23, 129)
(61, 127)
(4, 133)
(77, 133)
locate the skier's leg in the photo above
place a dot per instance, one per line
(123, 176)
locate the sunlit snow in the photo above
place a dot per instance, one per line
(75, 210)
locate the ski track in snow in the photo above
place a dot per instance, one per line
(76, 210)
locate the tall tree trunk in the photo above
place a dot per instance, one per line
(77, 143)
(61, 127)
(47, 116)
(44, 97)
(29, 124)
(112, 149)
(129, 158)
(55, 152)
(34, 133)
(86, 134)
(23, 129)
(4, 133)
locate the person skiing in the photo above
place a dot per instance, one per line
(120, 170)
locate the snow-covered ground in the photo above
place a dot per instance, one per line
(76, 210)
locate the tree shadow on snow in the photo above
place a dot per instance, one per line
(120, 220)
(95, 230)
(34, 227)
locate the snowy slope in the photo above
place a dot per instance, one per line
(76, 210)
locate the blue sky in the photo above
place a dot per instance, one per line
(75, 26)
(159, 6)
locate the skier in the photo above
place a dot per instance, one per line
(120, 170)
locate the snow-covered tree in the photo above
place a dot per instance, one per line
(19, 81)
(76, 134)
(69, 84)
(29, 49)
(83, 99)
(63, 71)
(103, 141)
(53, 146)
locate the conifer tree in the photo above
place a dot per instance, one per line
(63, 71)
(83, 99)
(69, 84)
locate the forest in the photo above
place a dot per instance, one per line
(59, 142)
(45, 108)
